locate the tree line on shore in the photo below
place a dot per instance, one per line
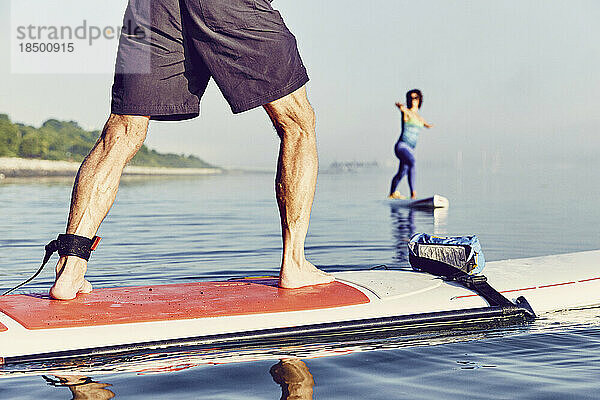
(67, 141)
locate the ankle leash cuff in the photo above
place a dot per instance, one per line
(66, 245)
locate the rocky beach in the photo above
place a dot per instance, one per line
(11, 167)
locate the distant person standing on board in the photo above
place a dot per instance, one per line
(168, 51)
(412, 123)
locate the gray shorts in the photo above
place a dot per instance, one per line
(169, 49)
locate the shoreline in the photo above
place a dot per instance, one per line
(13, 167)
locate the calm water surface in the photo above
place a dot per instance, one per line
(187, 229)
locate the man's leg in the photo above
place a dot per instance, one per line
(294, 120)
(94, 193)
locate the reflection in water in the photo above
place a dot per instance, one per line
(81, 387)
(440, 221)
(404, 224)
(294, 378)
(291, 373)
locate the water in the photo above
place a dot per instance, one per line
(187, 229)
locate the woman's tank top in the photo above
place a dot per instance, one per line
(411, 130)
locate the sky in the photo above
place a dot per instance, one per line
(503, 82)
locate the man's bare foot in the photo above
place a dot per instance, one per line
(397, 195)
(70, 279)
(413, 195)
(292, 277)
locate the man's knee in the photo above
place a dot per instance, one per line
(124, 134)
(292, 115)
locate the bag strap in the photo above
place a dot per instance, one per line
(479, 284)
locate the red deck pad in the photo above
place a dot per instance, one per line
(3, 328)
(173, 302)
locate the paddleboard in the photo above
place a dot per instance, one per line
(34, 327)
(436, 201)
